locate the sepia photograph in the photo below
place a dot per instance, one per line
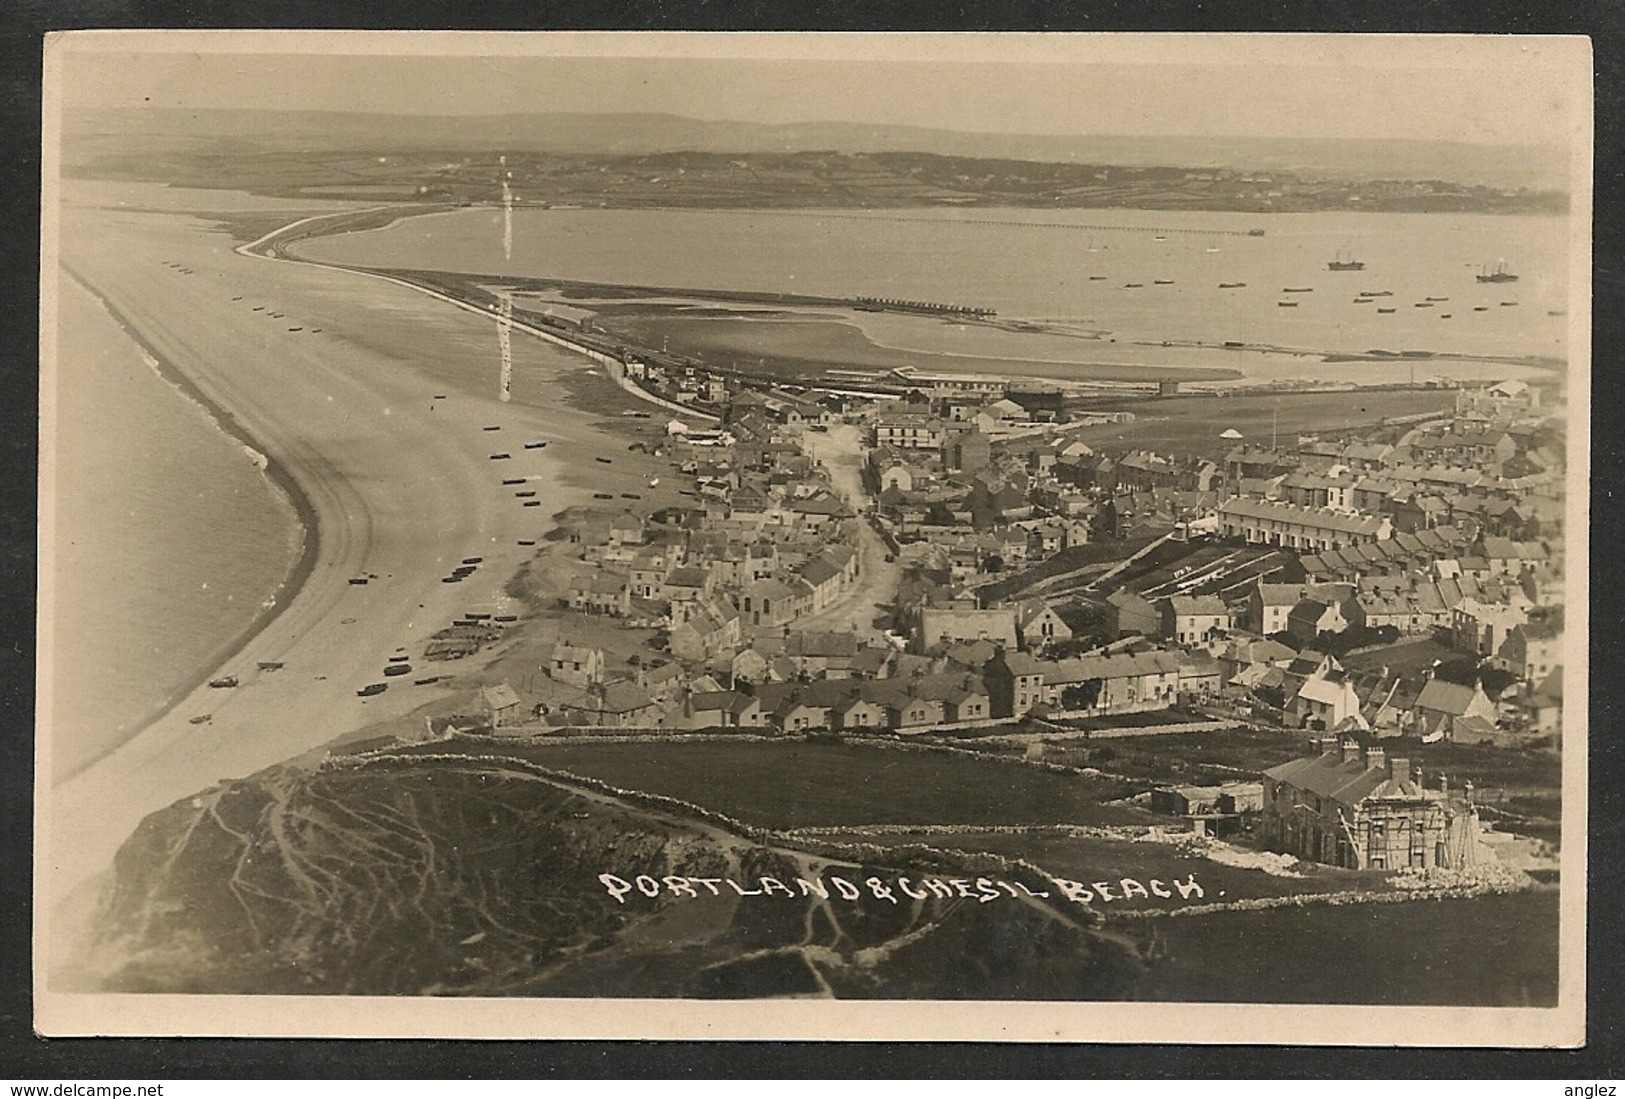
(873, 536)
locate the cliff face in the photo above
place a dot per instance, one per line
(472, 877)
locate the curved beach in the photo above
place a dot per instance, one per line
(395, 484)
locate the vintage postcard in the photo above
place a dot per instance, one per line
(1026, 537)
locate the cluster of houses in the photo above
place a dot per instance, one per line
(1449, 530)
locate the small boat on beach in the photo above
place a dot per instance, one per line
(373, 689)
(499, 457)
(1162, 282)
(473, 560)
(224, 682)
(1435, 299)
(513, 480)
(606, 461)
(1481, 309)
(493, 427)
(1287, 304)
(1509, 303)
(200, 719)
(1097, 278)
(1132, 285)
(1376, 293)
(1381, 310)
(1231, 285)
(536, 445)
(1297, 289)
(525, 495)
(533, 503)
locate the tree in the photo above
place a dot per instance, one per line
(1081, 696)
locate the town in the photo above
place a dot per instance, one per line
(942, 560)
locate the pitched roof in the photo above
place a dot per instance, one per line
(499, 696)
(1349, 783)
(1198, 604)
(1445, 697)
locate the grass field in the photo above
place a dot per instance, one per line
(800, 784)
(1483, 950)
(1192, 424)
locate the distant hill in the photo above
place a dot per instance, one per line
(94, 132)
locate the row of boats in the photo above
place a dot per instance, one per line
(1343, 261)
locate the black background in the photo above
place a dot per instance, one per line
(23, 1056)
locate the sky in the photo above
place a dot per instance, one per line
(1489, 90)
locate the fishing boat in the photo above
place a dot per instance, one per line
(1132, 285)
(1345, 261)
(1297, 289)
(1287, 304)
(1498, 273)
(1376, 293)
(1435, 299)
(1097, 278)
(1231, 285)
(1509, 303)
(1382, 310)
(1162, 282)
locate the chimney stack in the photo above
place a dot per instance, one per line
(1399, 769)
(1351, 749)
(1375, 758)
(1327, 744)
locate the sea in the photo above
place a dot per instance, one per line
(169, 537)
(1137, 276)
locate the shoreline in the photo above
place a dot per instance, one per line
(281, 479)
(280, 246)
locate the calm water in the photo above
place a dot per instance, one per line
(169, 537)
(1071, 266)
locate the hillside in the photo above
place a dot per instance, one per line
(577, 134)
